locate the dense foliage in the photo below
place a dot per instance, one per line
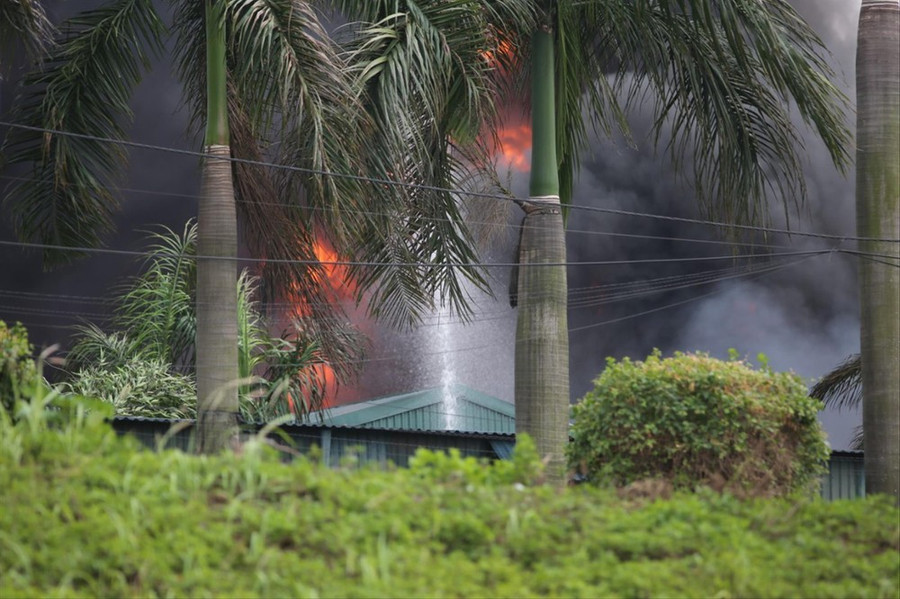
(17, 367)
(88, 514)
(145, 365)
(137, 386)
(693, 420)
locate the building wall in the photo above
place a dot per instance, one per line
(359, 445)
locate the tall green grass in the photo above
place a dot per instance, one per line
(86, 513)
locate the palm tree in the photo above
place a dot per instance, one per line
(254, 73)
(719, 74)
(878, 218)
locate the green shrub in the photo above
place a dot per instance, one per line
(138, 387)
(86, 514)
(693, 420)
(18, 373)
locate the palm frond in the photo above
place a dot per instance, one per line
(96, 347)
(276, 229)
(301, 371)
(83, 86)
(23, 23)
(426, 76)
(288, 86)
(842, 387)
(722, 75)
(157, 307)
(858, 441)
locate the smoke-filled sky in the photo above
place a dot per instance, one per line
(804, 318)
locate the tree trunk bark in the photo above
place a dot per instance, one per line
(542, 337)
(217, 334)
(878, 216)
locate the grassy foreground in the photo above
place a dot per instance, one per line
(85, 513)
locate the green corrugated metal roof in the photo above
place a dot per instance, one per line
(456, 408)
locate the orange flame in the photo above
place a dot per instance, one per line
(344, 287)
(515, 145)
(503, 48)
(337, 274)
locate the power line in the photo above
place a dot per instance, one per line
(596, 297)
(363, 263)
(505, 225)
(421, 186)
(658, 309)
(398, 355)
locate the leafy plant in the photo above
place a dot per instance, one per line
(842, 388)
(17, 368)
(174, 524)
(154, 329)
(693, 420)
(138, 387)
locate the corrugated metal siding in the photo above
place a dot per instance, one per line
(457, 408)
(465, 417)
(846, 478)
(338, 445)
(426, 418)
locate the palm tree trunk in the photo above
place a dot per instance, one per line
(878, 216)
(542, 337)
(217, 336)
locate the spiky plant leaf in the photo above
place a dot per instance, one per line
(23, 23)
(427, 77)
(97, 347)
(841, 387)
(82, 86)
(157, 307)
(721, 76)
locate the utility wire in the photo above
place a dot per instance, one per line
(397, 355)
(505, 225)
(145, 254)
(407, 185)
(437, 320)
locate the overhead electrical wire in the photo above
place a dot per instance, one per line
(755, 274)
(469, 221)
(579, 298)
(408, 185)
(146, 254)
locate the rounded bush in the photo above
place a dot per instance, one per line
(693, 420)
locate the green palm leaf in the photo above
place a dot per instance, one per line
(841, 387)
(720, 75)
(83, 86)
(23, 23)
(427, 81)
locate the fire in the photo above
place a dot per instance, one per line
(504, 48)
(514, 139)
(336, 274)
(515, 146)
(337, 277)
